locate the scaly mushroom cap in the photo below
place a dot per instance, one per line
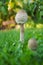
(21, 17)
(32, 44)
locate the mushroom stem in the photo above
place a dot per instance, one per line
(22, 32)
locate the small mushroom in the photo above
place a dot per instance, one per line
(21, 18)
(32, 44)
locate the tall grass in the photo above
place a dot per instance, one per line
(13, 52)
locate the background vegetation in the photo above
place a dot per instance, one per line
(34, 9)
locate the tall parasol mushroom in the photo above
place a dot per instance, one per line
(21, 18)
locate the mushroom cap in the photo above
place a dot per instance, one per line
(32, 44)
(21, 17)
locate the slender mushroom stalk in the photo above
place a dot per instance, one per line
(21, 32)
(21, 18)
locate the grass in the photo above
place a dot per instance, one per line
(13, 52)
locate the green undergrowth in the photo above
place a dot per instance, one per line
(13, 52)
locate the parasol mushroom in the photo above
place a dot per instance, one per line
(21, 18)
(32, 44)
